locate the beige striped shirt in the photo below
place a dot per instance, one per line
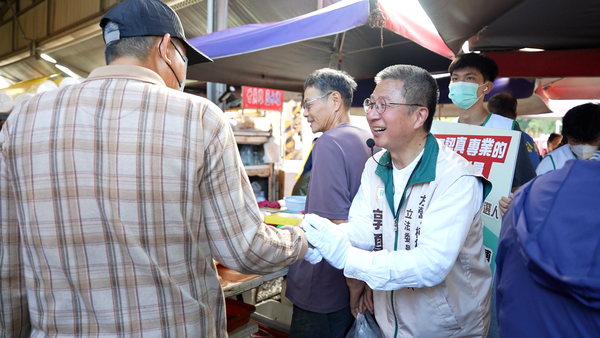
(116, 195)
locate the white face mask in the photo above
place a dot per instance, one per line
(182, 83)
(584, 151)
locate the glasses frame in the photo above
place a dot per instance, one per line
(368, 104)
(307, 104)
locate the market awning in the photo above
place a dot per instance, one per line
(567, 32)
(492, 25)
(549, 63)
(350, 35)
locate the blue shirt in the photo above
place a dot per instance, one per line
(532, 149)
(547, 276)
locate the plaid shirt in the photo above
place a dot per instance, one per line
(115, 196)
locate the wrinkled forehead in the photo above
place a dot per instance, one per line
(310, 93)
(389, 89)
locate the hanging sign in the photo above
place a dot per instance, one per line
(262, 98)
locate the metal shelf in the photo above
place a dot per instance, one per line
(255, 137)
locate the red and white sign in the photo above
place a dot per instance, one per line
(262, 98)
(481, 151)
(494, 152)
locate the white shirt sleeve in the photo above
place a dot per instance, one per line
(448, 220)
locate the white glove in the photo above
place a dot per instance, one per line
(313, 256)
(327, 239)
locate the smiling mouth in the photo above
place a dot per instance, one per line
(379, 129)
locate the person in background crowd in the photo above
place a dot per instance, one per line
(581, 128)
(554, 141)
(117, 193)
(414, 234)
(505, 104)
(471, 78)
(547, 275)
(581, 135)
(319, 292)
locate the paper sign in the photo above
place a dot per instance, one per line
(492, 151)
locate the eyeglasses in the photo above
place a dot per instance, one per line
(307, 104)
(185, 59)
(380, 105)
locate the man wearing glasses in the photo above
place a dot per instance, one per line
(319, 292)
(414, 233)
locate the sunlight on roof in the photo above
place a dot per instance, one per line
(3, 83)
(413, 9)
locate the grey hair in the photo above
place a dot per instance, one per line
(419, 87)
(138, 47)
(327, 80)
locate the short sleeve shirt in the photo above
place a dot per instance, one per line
(339, 157)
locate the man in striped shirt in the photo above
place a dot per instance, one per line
(116, 195)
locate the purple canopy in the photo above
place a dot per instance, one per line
(282, 54)
(256, 37)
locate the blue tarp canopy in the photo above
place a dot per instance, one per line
(282, 54)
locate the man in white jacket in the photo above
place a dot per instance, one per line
(414, 234)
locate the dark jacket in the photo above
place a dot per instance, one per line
(548, 260)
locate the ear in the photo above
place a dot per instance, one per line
(338, 103)
(489, 86)
(421, 115)
(163, 48)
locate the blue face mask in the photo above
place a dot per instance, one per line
(464, 94)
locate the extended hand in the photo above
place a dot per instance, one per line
(313, 256)
(331, 243)
(504, 203)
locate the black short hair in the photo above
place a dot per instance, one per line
(504, 104)
(486, 66)
(582, 123)
(327, 80)
(419, 87)
(553, 137)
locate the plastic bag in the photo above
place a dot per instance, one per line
(271, 151)
(364, 326)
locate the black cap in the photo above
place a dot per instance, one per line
(150, 18)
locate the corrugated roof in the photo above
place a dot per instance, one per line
(88, 54)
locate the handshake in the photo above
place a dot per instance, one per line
(328, 239)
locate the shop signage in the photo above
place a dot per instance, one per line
(262, 98)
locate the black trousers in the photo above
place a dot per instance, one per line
(307, 324)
